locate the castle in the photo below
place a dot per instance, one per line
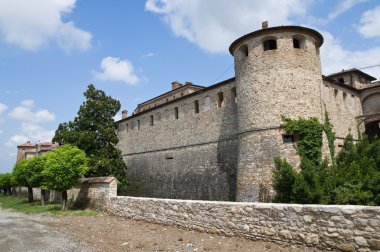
(218, 142)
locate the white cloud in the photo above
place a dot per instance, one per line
(1, 132)
(214, 24)
(370, 23)
(25, 113)
(3, 107)
(32, 24)
(335, 57)
(148, 55)
(27, 103)
(30, 132)
(344, 6)
(115, 69)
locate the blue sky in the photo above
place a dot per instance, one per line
(51, 50)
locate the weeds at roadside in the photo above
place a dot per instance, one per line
(21, 205)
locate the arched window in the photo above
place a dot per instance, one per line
(270, 44)
(243, 52)
(196, 107)
(298, 41)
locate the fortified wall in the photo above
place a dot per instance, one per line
(218, 142)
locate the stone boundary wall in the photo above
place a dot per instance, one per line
(89, 193)
(348, 228)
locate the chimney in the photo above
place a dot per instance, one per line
(265, 24)
(175, 85)
(124, 114)
(27, 141)
(188, 83)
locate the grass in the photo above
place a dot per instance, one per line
(21, 205)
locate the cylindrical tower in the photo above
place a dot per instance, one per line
(278, 73)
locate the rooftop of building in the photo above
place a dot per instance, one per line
(270, 30)
(352, 70)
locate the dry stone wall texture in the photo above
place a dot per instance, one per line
(349, 228)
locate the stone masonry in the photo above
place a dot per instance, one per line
(218, 142)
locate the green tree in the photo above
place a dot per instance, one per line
(93, 131)
(21, 176)
(35, 178)
(63, 168)
(284, 177)
(7, 181)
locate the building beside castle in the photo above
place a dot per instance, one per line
(28, 150)
(218, 142)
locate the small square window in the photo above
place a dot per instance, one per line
(288, 139)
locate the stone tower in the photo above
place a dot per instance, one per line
(278, 73)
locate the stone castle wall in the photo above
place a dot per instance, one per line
(191, 157)
(343, 105)
(271, 84)
(348, 228)
(226, 152)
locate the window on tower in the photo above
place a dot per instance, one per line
(270, 44)
(243, 52)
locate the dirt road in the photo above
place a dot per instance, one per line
(20, 232)
(110, 233)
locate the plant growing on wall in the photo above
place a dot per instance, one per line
(353, 177)
(93, 131)
(63, 168)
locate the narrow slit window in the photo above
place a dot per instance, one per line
(344, 95)
(151, 120)
(126, 128)
(176, 113)
(196, 107)
(207, 103)
(233, 95)
(138, 124)
(220, 100)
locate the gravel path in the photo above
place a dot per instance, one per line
(20, 232)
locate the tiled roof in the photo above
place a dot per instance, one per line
(352, 70)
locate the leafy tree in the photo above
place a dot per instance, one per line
(21, 176)
(35, 178)
(93, 131)
(63, 168)
(283, 180)
(7, 181)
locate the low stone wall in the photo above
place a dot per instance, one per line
(89, 193)
(349, 228)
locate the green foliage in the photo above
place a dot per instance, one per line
(34, 168)
(330, 134)
(283, 180)
(93, 131)
(63, 168)
(29, 172)
(22, 205)
(7, 181)
(353, 178)
(19, 172)
(309, 132)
